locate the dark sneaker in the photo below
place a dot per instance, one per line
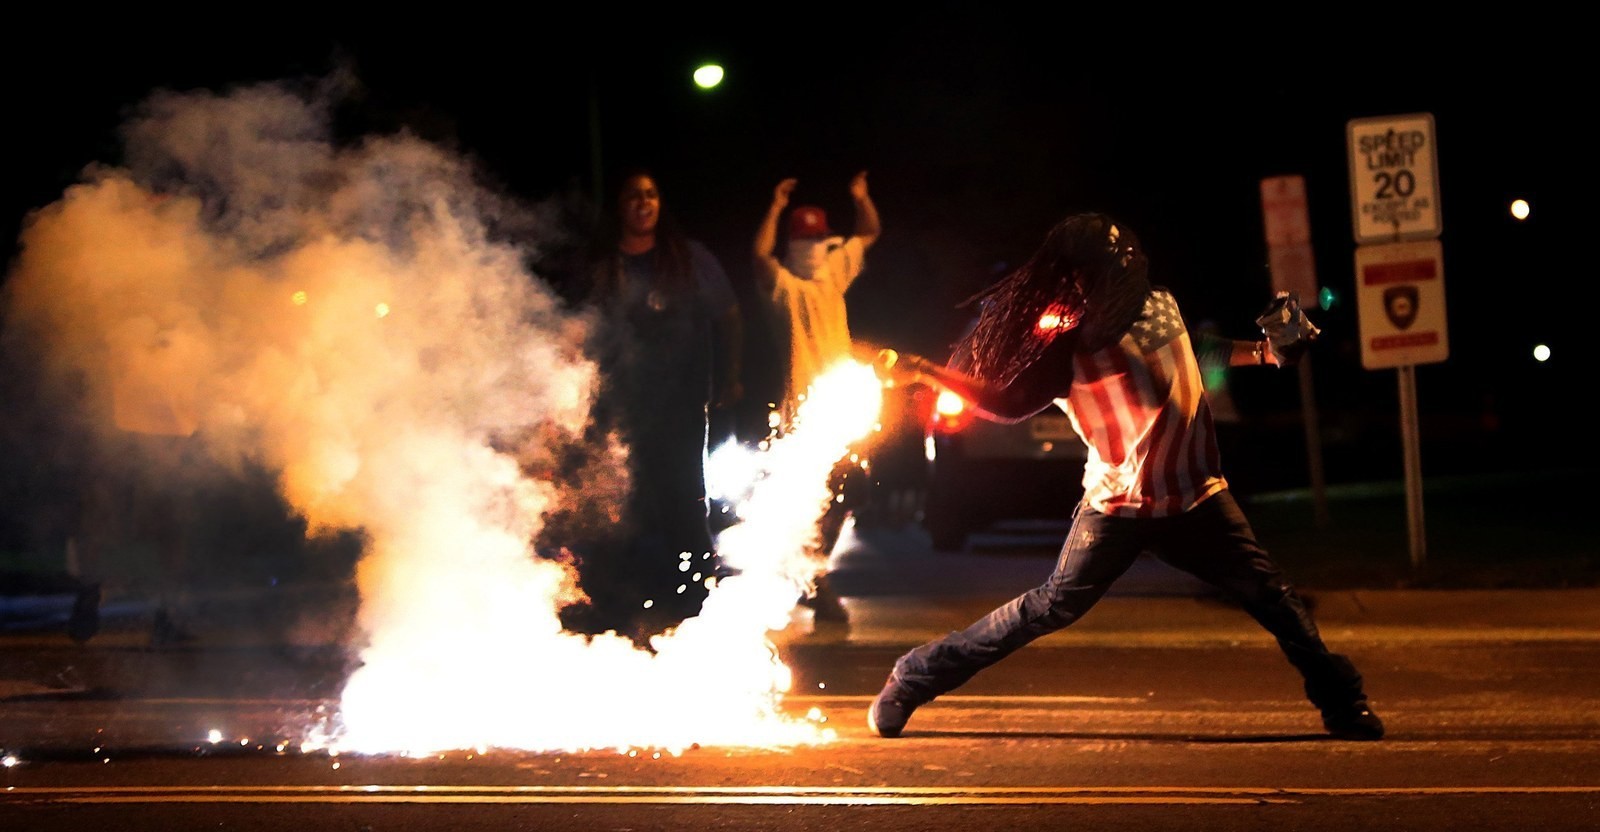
(889, 712)
(1357, 722)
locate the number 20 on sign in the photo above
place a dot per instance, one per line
(1394, 183)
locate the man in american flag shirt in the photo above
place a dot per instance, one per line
(1080, 325)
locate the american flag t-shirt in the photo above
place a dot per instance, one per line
(1140, 407)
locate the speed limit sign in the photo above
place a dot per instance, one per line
(1394, 181)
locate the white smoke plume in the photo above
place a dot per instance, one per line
(353, 317)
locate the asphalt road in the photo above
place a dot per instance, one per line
(1483, 735)
(1164, 709)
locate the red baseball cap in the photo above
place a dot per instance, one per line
(808, 221)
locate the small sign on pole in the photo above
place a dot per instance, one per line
(1288, 232)
(1400, 301)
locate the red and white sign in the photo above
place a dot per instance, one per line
(1400, 301)
(1283, 208)
(1288, 230)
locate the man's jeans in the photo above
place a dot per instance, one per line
(1213, 541)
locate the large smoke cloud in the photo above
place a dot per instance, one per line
(358, 318)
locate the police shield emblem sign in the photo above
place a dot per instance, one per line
(1400, 295)
(1400, 305)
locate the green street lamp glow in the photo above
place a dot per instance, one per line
(707, 76)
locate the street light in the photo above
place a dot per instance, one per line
(707, 76)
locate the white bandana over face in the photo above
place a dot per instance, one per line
(808, 257)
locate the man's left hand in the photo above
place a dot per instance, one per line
(1289, 332)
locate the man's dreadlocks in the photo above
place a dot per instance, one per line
(1089, 274)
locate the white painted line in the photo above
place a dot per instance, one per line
(752, 795)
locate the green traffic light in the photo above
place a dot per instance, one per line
(1326, 298)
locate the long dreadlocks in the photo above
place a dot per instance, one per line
(1088, 275)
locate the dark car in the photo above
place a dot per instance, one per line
(982, 473)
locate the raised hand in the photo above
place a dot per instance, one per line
(781, 193)
(858, 186)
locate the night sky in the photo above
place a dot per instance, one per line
(981, 125)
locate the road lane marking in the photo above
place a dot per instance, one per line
(198, 700)
(815, 698)
(798, 698)
(690, 800)
(750, 795)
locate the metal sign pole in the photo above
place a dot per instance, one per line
(1413, 464)
(1288, 233)
(1308, 410)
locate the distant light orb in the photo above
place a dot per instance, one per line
(381, 310)
(707, 76)
(1520, 209)
(1325, 298)
(298, 298)
(1541, 353)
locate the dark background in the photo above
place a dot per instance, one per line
(981, 126)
